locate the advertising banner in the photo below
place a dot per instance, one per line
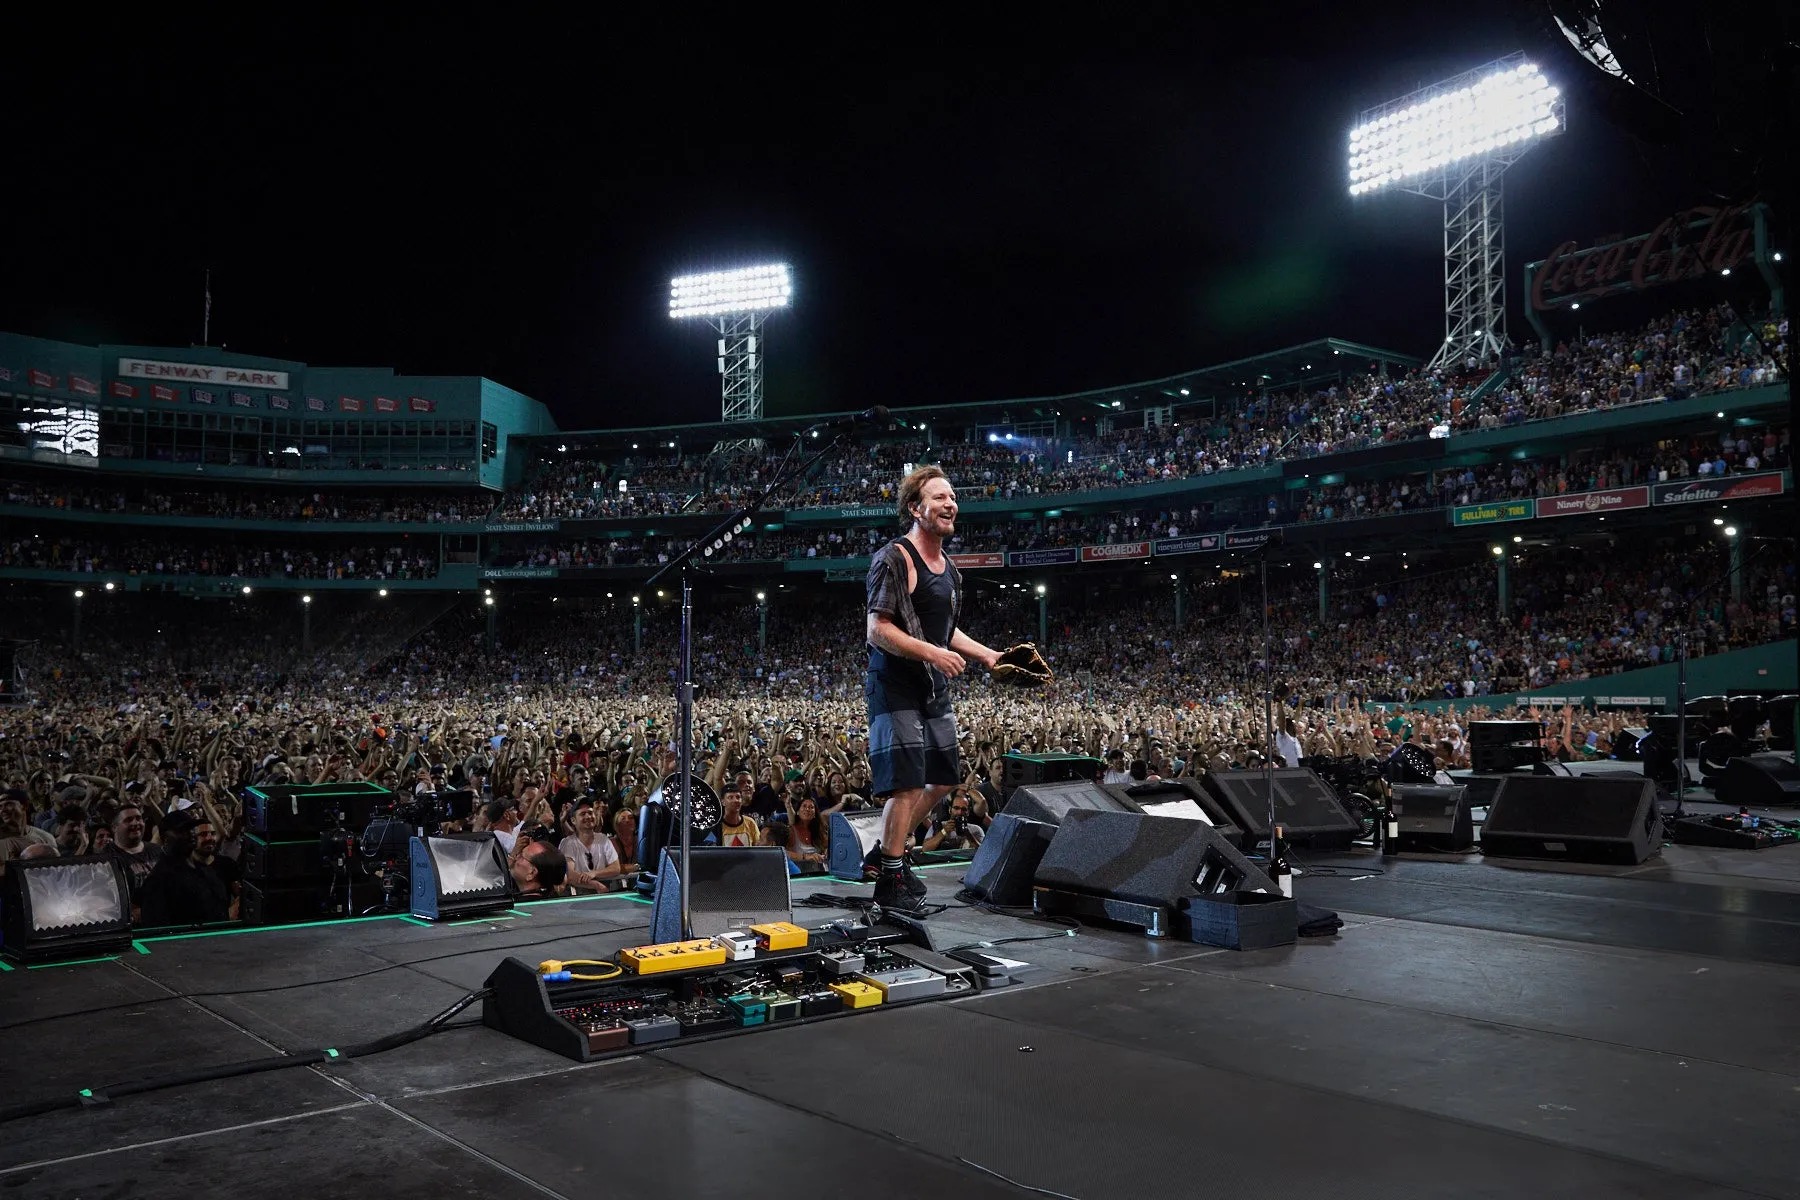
(241, 399)
(1728, 487)
(82, 385)
(42, 379)
(280, 402)
(123, 391)
(967, 561)
(315, 404)
(1186, 545)
(1043, 558)
(1487, 514)
(1583, 503)
(159, 391)
(1238, 541)
(522, 526)
(349, 404)
(386, 404)
(519, 573)
(1115, 552)
(421, 404)
(201, 395)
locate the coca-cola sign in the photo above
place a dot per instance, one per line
(1702, 240)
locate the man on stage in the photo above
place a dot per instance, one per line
(915, 650)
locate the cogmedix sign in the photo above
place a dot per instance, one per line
(1729, 487)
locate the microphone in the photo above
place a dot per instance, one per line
(868, 416)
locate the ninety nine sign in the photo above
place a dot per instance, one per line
(1484, 514)
(1701, 241)
(991, 559)
(1115, 552)
(1610, 500)
(1732, 487)
(145, 368)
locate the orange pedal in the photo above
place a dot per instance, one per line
(672, 956)
(780, 935)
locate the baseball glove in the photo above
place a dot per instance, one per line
(1022, 666)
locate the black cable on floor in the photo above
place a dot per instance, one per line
(286, 987)
(98, 1097)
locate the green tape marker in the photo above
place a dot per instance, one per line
(88, 1092)
(331, 1053)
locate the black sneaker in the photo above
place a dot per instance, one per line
(892, 893)
(914, 884)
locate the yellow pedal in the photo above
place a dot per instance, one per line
(672, 956)
(780, 935)
(857, 994)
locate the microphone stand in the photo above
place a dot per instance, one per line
(714, 540)
(1268, 708)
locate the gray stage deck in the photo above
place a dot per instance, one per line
(1475, 1030)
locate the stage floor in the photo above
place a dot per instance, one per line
(1476, 1029)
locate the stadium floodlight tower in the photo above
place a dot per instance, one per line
(1452, 142)
(735, 303)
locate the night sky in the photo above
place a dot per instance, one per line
(972, 212)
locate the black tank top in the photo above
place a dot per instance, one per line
(898, 682)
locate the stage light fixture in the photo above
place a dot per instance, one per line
(53, 908)
(748, 289)
(1509, 107)
(459, 875)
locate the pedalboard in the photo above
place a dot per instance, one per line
(1728, 831)
(774, 974)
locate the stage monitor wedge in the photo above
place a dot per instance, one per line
(1144, 860)
(1431, 818)
(1179, 797)
(1050, 802)
(732, 888)
(1575, 819)
(1007, 861)
(1026, 770)
(1306, 808)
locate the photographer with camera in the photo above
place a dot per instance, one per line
(957, 829)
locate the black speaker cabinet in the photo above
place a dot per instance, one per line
(282, 861)
(1145, 860)
(1579, 819)
(1182, 797)
(1025, 770)
(1760, 781)
(1007, 862)
(1050, 802)
(732, 887)
(1504, 745)
(1306, 808)
(1432, 818)
(274, 903)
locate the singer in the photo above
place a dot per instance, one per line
(915, 650)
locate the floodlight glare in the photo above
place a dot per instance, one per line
(1508, 107)
(748, 289)
(1452, 142)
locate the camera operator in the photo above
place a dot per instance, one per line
(957, 829)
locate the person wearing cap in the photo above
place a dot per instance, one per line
(184, 889)
(1116, 771)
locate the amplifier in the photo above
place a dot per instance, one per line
(271, 859)
(1024, 770)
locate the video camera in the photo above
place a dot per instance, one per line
(389, 832)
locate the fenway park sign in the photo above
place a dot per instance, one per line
(1699, 241)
